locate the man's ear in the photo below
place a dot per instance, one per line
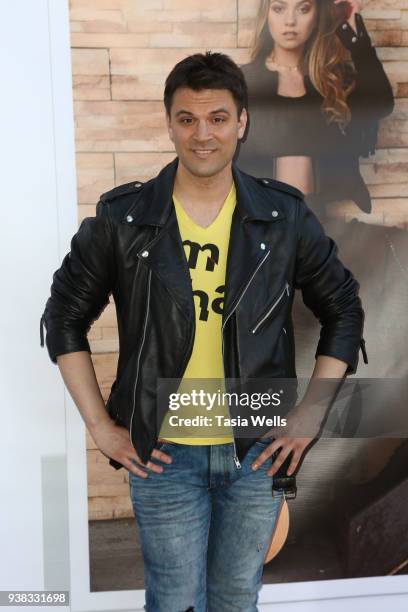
(169, 128)
(242, 122)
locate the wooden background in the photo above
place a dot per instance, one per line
(122, 51)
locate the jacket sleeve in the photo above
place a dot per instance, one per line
(372, 95)
(80, 288)
(329, 290)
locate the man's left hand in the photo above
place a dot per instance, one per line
(290, 443)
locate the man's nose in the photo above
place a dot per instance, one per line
(202, 131)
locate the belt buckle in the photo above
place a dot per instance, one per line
(285, 484)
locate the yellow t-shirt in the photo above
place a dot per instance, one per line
(206, 250)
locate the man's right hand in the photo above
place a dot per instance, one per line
(113, 441)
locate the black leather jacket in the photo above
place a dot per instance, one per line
(133, 249)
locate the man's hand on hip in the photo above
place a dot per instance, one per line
(293, 441)
(305, 418)
(113, 441)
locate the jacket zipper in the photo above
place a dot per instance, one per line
(236, 460)
(143, 340)
(286, 290)
(139, 355)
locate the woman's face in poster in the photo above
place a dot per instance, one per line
(291, 22)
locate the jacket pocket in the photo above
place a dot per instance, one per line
(272, 309)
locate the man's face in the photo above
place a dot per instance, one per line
(204, 127)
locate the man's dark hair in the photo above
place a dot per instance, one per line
(207, 71)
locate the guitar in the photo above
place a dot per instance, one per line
(280, 531)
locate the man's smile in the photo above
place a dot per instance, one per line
(203, 153)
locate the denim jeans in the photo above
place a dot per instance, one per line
(204, 527)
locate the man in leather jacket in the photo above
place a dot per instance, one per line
(204, 527)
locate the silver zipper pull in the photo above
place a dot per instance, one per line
(237, 463)
(286, 290)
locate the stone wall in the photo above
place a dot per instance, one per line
(122, 51)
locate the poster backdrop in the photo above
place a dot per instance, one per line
(332, 121)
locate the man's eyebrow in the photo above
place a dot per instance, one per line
(214, 112)
(183, 112)
(220, 110)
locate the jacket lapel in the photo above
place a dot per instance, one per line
(250, 241)
(168, 262)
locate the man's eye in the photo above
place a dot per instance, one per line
(186, 120)
(219, 119)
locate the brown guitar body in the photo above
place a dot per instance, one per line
(280, 532)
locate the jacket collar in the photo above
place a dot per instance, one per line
(154, 203)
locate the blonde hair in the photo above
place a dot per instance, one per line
(325, 59)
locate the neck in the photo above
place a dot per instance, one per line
(202, 192)
(286, 57)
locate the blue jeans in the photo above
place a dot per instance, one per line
(205, 527)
